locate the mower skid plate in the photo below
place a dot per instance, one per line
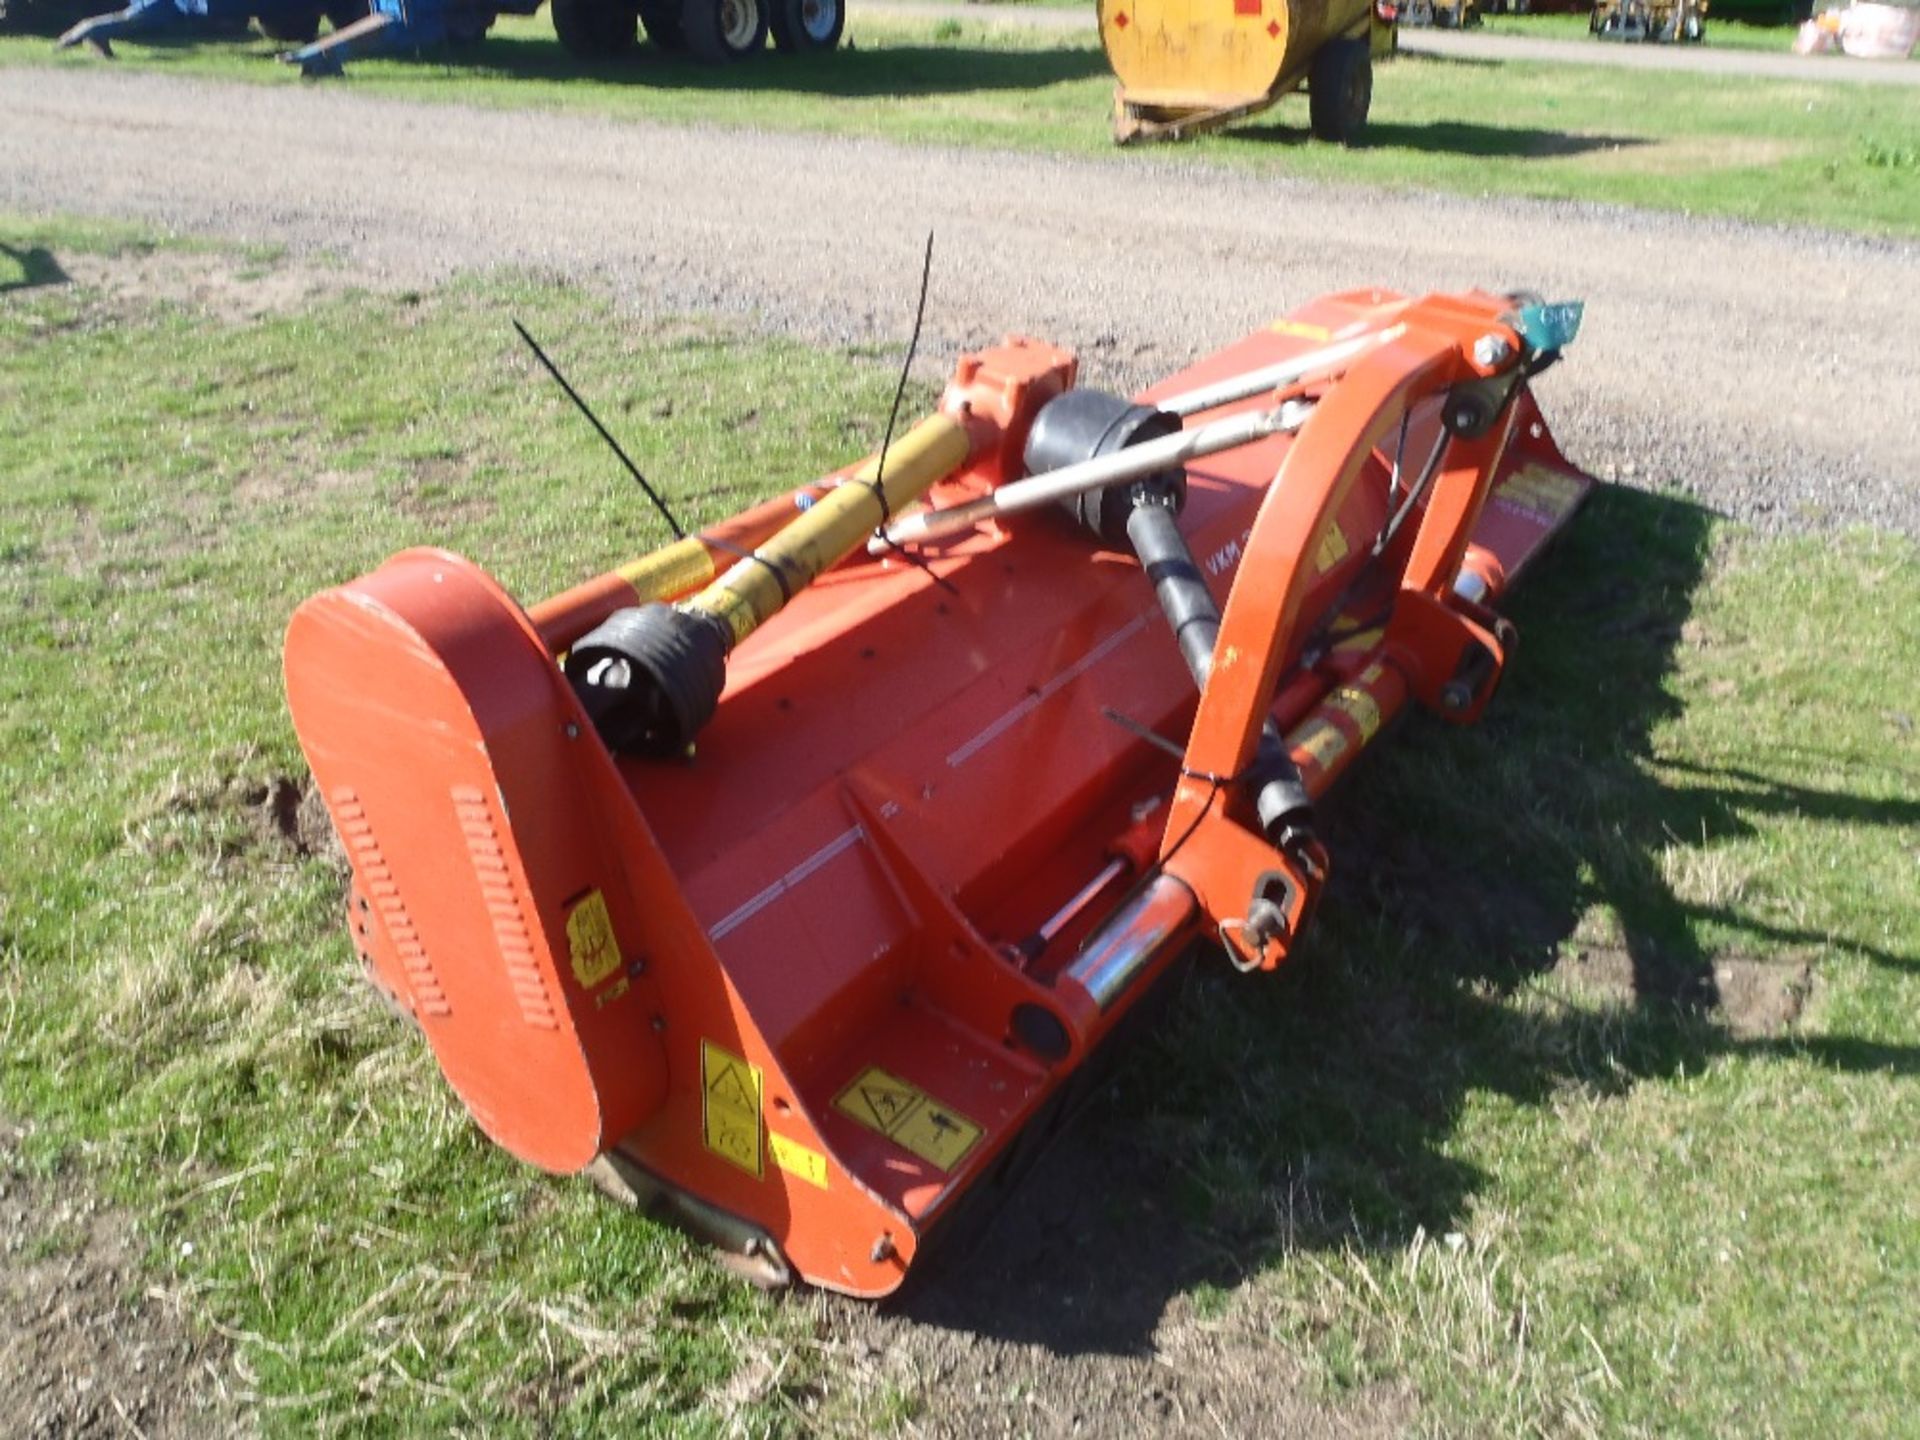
(825, 971)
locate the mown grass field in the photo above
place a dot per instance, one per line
(1834, 155)
(1591, 1108)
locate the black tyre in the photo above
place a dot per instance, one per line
(294, 27)
(802, 25)
(1340, 90)
(342, 13)
(721, 31)
(595, 29)
(661, 20)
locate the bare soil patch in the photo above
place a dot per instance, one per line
(289, 813)
(219, 284)
(85, 1349)
(1754, 999)
(1089, 1307)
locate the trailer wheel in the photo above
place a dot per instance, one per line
(1340, 90)
(292, 27)
(803, 25)
(594, 29)
(720, 31)
(661, 20)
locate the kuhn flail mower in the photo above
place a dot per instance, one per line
(794, 877)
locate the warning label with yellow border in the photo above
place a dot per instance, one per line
(1540, 493)
(591, 945)
(1332, 550)
(909, 1117)
(730, 1108)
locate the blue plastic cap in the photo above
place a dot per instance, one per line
(1547, 328)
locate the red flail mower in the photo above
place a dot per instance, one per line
(794, 875)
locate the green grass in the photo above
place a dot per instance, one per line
(180, 1015)
(1568, 1204)
(1436, 1155)
(1759, 150)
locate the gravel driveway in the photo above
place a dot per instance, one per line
(1771, 373)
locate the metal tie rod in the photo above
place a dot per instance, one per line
(1272, 377)
(1135, 462)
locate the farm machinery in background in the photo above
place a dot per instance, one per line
(1185, 69)
(1657, 20)
(1431, 14)
(712, 31)
(800, 877)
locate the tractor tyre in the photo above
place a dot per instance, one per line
(1340, 90)
(803, 25)
(595, 29)
(342, 13)
(719, 32)
(661, 20)
(292, 27)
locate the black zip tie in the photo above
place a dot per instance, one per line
(740, 552)
(594, 420)
(1154, 737)
(877, 486)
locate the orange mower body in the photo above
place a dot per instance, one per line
(822, 954)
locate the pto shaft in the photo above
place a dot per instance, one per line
(651, 676)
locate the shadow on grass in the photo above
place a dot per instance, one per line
(896, 70)
(36, 266)
(1450, 137)
(1314, 1110)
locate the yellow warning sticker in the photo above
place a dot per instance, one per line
(1360, 707)
(730, 1108)
(590, 941)
(909, 1117)
(1321, 741)
(1333, 549)
(797, 1159)
(1545, 494)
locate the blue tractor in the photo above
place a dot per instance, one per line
(712, 31)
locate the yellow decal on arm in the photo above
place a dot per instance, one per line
(797, 1159)
(1358, 706)
(1333, 549)
(730, 1108)
(909, 1117)
(1320, 741)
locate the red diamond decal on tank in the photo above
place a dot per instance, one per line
(1120, 20)
(1273, 29)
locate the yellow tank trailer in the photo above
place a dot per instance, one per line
(1190, 65)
